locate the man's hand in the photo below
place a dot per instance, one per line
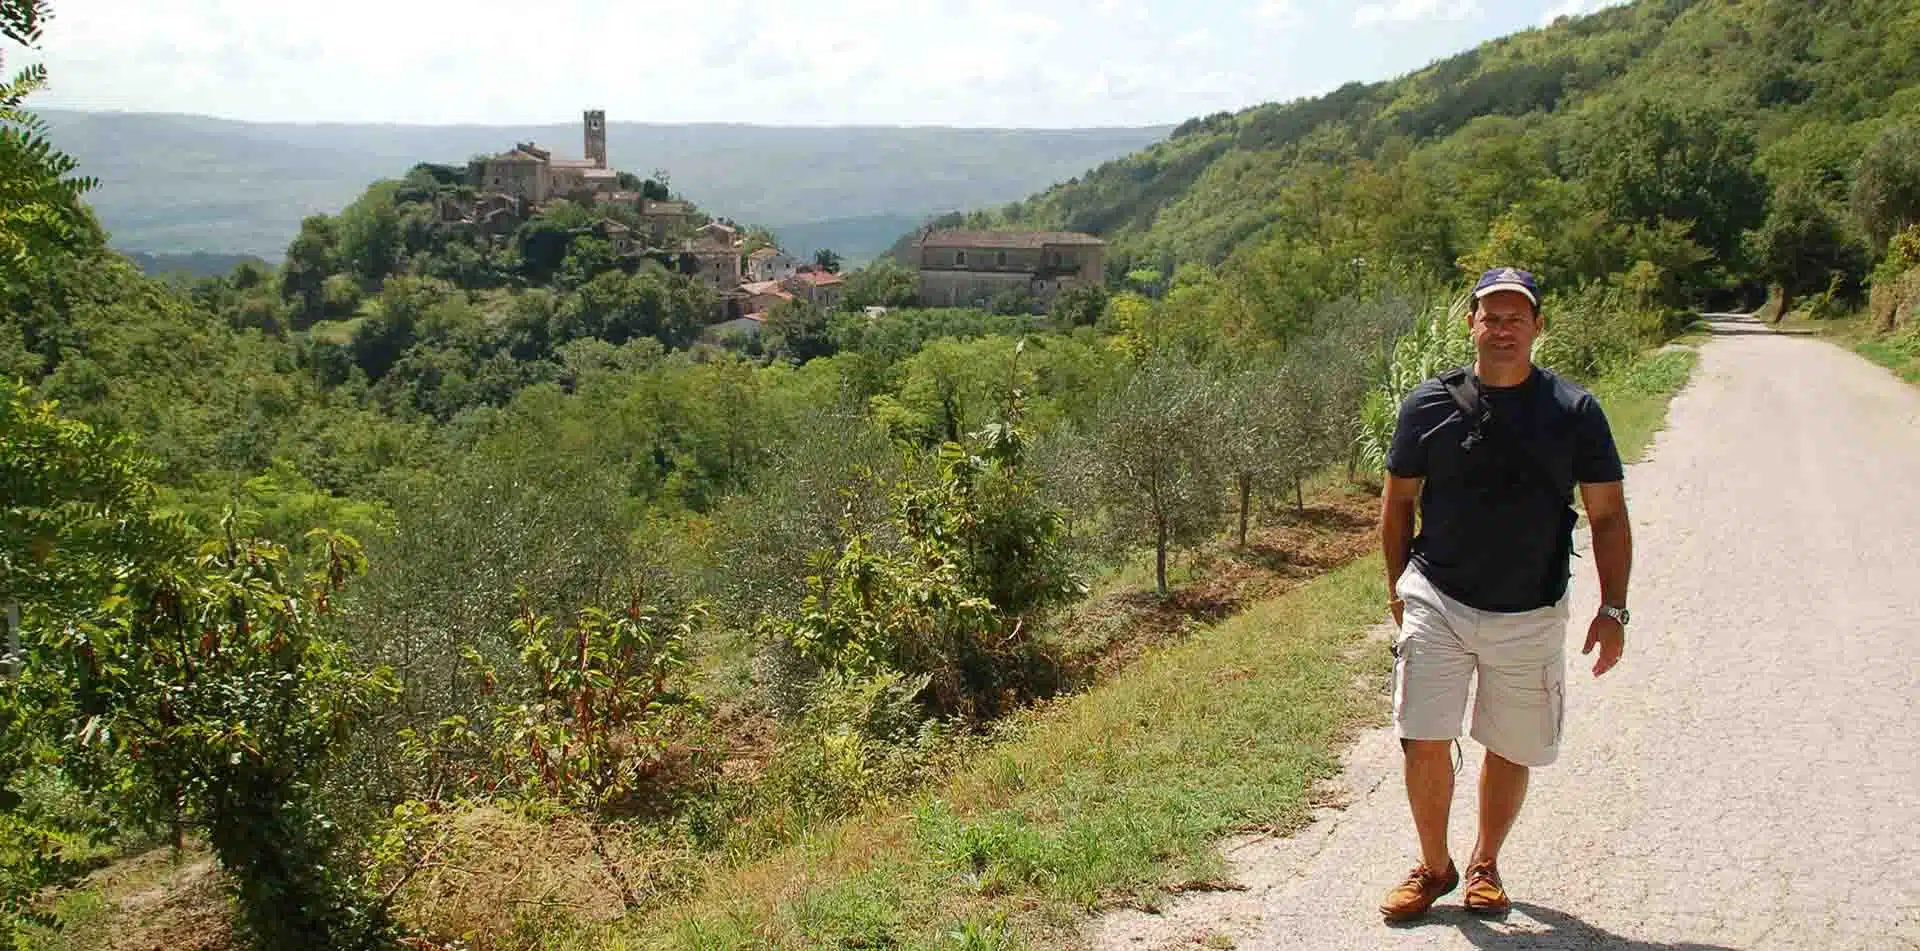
(1398, 609)
(1612, 639)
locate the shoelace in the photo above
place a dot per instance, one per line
(1419, 877)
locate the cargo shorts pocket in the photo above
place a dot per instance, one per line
(1554, 678)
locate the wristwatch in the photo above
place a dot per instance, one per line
(1618, 614)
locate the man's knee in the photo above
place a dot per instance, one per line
(1427, 749)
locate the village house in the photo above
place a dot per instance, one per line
(771, 264)
(663, 219)
(760, 297)
(821, 289)
(971, 268)
(719, 261)
(718, 235)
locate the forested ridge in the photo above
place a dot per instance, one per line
(1705, 148)
(426, 553)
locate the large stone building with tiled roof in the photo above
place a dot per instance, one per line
(971, 268)
(532, 174)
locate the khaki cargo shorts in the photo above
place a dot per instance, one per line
(1520, 702)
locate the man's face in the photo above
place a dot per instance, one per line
(1504, 326)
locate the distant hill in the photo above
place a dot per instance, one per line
(192, 264)
(179, 183)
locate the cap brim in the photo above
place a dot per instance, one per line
(1497, 288)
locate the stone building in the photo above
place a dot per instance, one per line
(531, 173)
(971, 268)
(719, 262)
(771, 264)
(821, 289)
(663, 220)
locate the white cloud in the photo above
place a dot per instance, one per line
(1194, 40)
(1575, 8)
(1276, 14)
(956, 62)
(1412, 11)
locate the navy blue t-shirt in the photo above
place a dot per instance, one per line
(1496, 517)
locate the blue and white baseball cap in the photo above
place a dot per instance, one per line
(1507, 279)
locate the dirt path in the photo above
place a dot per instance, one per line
(1750, 776)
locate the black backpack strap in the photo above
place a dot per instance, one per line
(1460, 385)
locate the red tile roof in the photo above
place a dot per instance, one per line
(819, 278)
(1008, 239)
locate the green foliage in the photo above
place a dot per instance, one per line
(1803, 246)
(979, 551)
(211, 698)
(1594, 331)
(1278, 425)
(602, 718)
(1435, 343)
(1886, 184)
(41, 211)
(1647, 133)
(1895, 297)
(1152, 461)
(191, 688)
(797, 331)
(884, 283)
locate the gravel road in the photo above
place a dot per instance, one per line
(1749, 777)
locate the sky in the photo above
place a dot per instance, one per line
(991, 63)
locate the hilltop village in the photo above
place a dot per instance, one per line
(749, 279)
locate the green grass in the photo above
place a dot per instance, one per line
(1110, 797)
(1899, 352)
(1636, 396)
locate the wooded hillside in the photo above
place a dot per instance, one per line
(1645, 140)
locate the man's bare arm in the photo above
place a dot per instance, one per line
(1397, 507)
(1606, 504)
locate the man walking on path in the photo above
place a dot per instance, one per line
(1489, 455)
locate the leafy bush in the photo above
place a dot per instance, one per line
(1895, 297)
(604, 720)
(197, 689)
(1434, 345)
(1594, 330)
(979, 552)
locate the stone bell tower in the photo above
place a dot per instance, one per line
(597, 137)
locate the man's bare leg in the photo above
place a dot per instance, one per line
(1429, 765)
(1503, 787)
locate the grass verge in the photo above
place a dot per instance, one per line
(1635, 397)
(1897, 350)
(1113, 797)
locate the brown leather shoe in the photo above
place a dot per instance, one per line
(1418, 893)
(1485, 895)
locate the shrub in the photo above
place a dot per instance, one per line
(605, 721)
(196, 688)
(1434, 345)
(1595, 329)
(1895, 298)
(979, 552)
